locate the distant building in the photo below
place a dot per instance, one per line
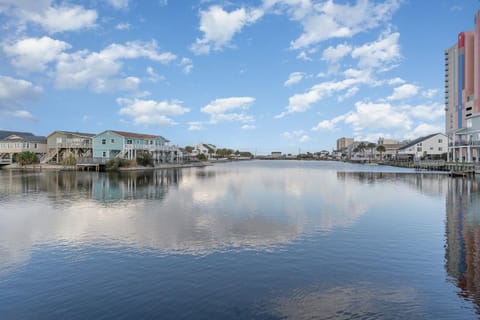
(13, 143)
(276, 154)
(383, 141)
(209, 150)
(430, 146)
(343, 143)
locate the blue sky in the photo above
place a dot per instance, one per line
(259, 76)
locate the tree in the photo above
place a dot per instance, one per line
(381, 149)
(201, 157)
(189, 149)
(361, 148)
(26, 157)
(144, 158)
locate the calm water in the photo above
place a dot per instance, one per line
(249, 240)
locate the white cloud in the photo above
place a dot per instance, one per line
(229, 109)
(123, 26)
(219, 27)
(326, 20)
(118, 4)
(350, 93)
(93, 69)
(195, 125)
(422, 130)
(428, 112)
(302, 102)
(381, 54)
(187, 65)
(304, 56)
(328, 125)
(430, 93)
(396, 81)
(14, 92)
(294, 77)
(150, 112)
(334, 54)
(248, 127)
(304, 138)
(369, 115)
(53, 18)
(404, 92)
(33, 54)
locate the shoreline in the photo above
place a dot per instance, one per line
(55, 167)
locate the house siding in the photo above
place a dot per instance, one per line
(110, 148)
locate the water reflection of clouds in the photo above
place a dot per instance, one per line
(178, 211)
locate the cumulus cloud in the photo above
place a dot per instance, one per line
(229, 109)
(219, 26)
(422, 130)
(404, 92)
(381, 54)
(94, 69)
(430, 112)
(33, 54)
(334, 54)
(51, 17)
(327, 20)
(13, 92)
(195, 125)
(294, 77)
(299, 135)
(328, 125)
(123, 26)
(150, 112)
(248, 127)
(187, 65)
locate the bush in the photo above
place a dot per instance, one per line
(69, 160)
(144, 158)
(26, 157)
(201, 157)
(117, 163)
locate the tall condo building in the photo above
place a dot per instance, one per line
(462, 96)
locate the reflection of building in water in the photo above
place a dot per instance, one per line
(463, 237)
(428, 183)
(134, 185)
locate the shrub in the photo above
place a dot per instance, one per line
(69, 160)
(117, 163)
(26, 157)
(144, 158)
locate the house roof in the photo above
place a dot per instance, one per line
(25, 138)
(136, 135)
(74, 133)
(4, 133)
(414, 142)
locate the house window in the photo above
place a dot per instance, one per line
(129, 141)
(440, 140)
(35, 146)
(419, 144)
(151, 141)
(104, 154)
(431, 148)
(419, 149)
(112, 140)
(104, 141)
(439, 148)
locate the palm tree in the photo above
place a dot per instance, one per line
(361, 147)
(381, 149)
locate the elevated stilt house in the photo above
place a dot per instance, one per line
(64, 144)
(14, 142)
(112, 144)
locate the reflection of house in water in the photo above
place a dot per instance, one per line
(463, 237)
(134, 185)
(428, 183)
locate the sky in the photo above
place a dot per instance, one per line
(258, 76)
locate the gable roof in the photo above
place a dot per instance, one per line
(25, 138)
(414, 142)
(135, 135)
(5, 133)
(90, 135)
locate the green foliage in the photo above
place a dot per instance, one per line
(117, 163)
(224, 152)
(201, 157)
(144, 158)
(69, 160)
(381, 148)
(26, 157)
(246, 154)
(189, 149)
